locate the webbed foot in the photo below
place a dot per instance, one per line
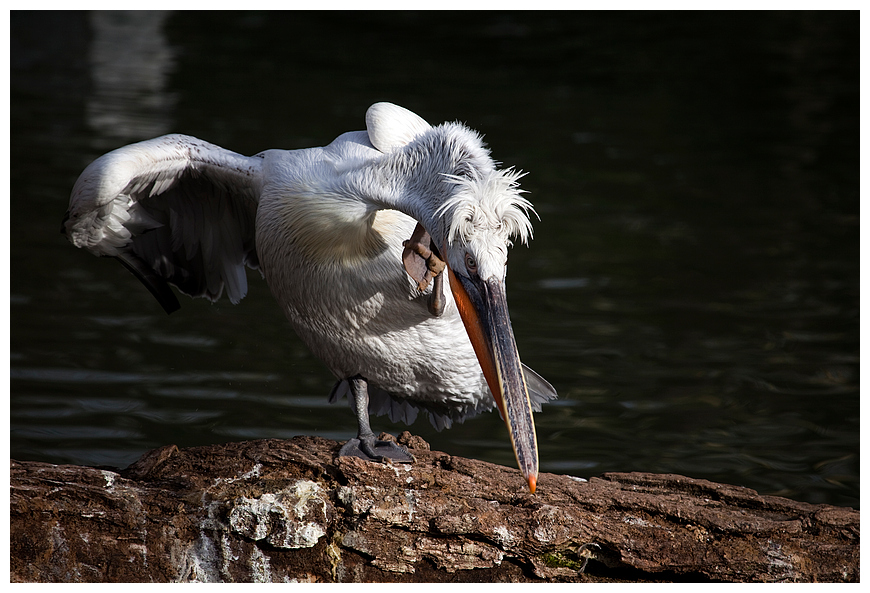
(366, 445)
(376, 450)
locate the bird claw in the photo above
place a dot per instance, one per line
(376, 450)
(423, 265)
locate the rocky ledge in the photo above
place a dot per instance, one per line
(292, 510)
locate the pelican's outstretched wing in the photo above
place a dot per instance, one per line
(173, 209)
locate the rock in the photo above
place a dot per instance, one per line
(276, 510)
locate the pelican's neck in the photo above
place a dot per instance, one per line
(415, 179)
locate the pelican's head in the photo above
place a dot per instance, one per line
(483, 214)
(480, 218)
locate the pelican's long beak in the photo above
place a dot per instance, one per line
(483, 307)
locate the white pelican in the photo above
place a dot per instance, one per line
(329, 228)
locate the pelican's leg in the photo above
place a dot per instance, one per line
(366, 445)
(436, 298)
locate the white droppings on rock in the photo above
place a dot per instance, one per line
(398, 469)
(261, 570)
(779, 562)
(291, 518)
(503, 535)
(110, 478)
(632, 520)
(203, 560)
(253, 473)
(411, 501)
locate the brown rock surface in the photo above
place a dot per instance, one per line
(276, 510)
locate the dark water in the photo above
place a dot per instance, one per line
(692, 290)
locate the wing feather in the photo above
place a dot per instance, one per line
(540, 390)
(175, 205)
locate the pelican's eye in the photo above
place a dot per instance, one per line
(470, 264)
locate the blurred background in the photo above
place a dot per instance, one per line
(692, 290)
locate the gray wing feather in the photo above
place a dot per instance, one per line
(540, 390)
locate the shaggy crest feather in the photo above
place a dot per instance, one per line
(488, 201)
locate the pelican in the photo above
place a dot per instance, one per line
(386, 250)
